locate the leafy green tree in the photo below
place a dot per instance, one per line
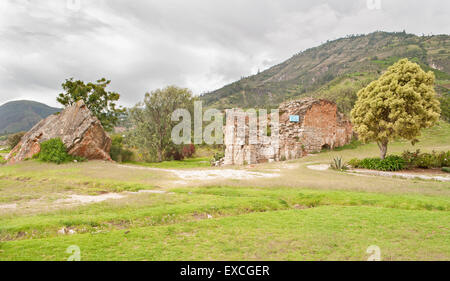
(397, 105)
(99, 101)
(152, 121)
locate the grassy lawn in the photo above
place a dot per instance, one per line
(186, 163)
(301, 214)
(323, 233)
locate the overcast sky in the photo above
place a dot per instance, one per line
(199, 44)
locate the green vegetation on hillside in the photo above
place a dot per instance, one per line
(17, 116)
(337, 70)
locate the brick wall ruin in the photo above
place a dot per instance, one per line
(305, 126)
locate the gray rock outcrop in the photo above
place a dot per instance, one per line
(81, 132)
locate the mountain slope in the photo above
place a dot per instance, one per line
(22, 115)
(337, 70)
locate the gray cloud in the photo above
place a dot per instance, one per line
(200, 44)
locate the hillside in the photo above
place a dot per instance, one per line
(19, 116)
(337, 70)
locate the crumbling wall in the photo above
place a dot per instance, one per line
(319, 126)
(322, 126)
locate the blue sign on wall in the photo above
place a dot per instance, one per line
(294, 118)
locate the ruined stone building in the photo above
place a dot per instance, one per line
(306, 125)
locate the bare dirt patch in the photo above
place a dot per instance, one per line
(222, 174)
(210, 174)
(86, 199)
(71, 201)
(320, 167)
(8, 206)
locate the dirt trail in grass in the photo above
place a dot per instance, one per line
(209, 174)
(76, 200)
(321, 167)
(185, 176)
(405, 175)
(86, 199)
(8, 206)
(402, 174)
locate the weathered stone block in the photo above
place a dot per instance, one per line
(80, 131)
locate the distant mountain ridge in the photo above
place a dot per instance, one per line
(336, 70)
(22, 115)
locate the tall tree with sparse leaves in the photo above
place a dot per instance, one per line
(99, 101)
(397, 105)
(152, 120)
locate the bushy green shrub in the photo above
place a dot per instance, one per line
(354, 162)
(127, 155)
(218, 155)
(390, 163)
(179, 152)
(443, 159)
(118, 152)
(446, 169)
(408, 160)
(55, 151)
(426, 160)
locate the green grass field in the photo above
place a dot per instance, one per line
(301, 214)
(186, 163)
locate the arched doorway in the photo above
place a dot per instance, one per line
(326, 147)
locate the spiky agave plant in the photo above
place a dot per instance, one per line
(338, 164)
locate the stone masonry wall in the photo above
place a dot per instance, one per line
(320, 126)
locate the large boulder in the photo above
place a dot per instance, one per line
(81, 132)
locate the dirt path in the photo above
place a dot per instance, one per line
(87, 199)
(209, 174)
(76, 199)
(405, 175)
(321, 167)
(184, 175)
(430, 175)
